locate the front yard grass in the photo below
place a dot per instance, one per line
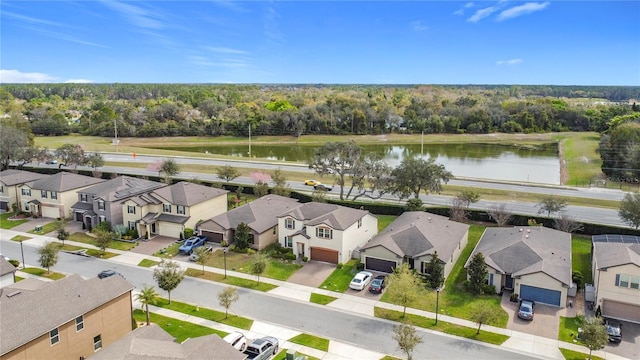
(20, 238)
(91, 252)
(230, 280)
(581, 257)
(43, 273)
(170, 251)
(443, 326)
(339, 279)
(311, 341)
(148, 263)
(321, 299)
(46, 228)
(276, 268)
(86, 239)
(5, 223)
(574, 355)
(181, 330)
(568, 330)
(389, 357)
(209, 314)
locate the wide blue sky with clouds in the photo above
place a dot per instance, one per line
(364, 42)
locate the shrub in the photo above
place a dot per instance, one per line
(340, 265)
(188, 233)
(104, 226)
(305, 259)
(15, 263)
(284, 250)
(360, 266)
(223, 243)
(488, 289)
(513, 297)
(250, 251)
(290, 256)
(577, 278)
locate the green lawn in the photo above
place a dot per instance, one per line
(443, 326)
(91, 252)
(311, 341)
(384, 221)
(209, 314)
(43, 272)
(389, 357)
(574, 355)
(181, 330)
(583, 161)
(321, 299)
(568, 330)
(5, 223)
(20, 238)
(148, 263)
(86, 239)
(283, 354)
(169, 252)
(230, 280)
(46, 228)
(339, 279)
(581, 257)
(18, 278)
(276, 268)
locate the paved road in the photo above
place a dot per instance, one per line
(371, 333)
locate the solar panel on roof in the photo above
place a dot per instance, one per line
(613, 238)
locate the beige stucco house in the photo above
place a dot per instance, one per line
(413, 238)
(533, 261)
(325, 232)
(71, 318)
(7, 272)
(616, 276)
(10, 181)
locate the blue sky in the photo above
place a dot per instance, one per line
(345, 42)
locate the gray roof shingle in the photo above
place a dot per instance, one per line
(52, 304)
(6, 267)
(64, 181)
(121, 188)
(16, 177)
(335, 216)
(616, 254)
(188, 194)
(260, 214)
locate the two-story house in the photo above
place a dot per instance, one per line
(169, 210)
(71, 318)
(52, 197)
(325, 232)
(616, 275)
(10, 181)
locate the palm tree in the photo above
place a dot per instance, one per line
(147, 296)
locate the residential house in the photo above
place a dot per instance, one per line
(52, 197)
(261, 215)
(10, 181)
(103, 202)
(7, 272)
(169, 210)
(325, 232)
(413, 238)
(152, 342)
(616, 275)
(69, 318)
(533, 261)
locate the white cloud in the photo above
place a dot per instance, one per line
(79, 81)
(418, 26)
(523, 9)
(15, 76)
(482, 13)
(30, 19)
(137, 15)
(461, 10)
(225, 50)
(509, 62)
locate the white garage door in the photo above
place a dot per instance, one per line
(50, 212)
(621, 311)
(169, 229)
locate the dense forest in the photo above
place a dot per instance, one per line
(146, 110)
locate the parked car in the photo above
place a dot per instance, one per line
(311, 182)
(190, 244)
(194, 255)
(107, 273)
(262, 349)
(525, 311)
(51, 162)
(378, 284)
(614, 330)
(237, 340)
(324, 187)
(361, 280)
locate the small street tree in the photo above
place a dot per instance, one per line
(477, 272)
(147, 295)
(405, 287)
(414, 205)
(630, 209)
(103, 239)
(63, 234)
(168, 275)
(169, 168)
(406, 337)
(434, 271)
(567, 223)
(95, 160)
(499, 214)
(280, 181)
(48, 255)
(594, 334)
(228, 173)
(243, 233)
(203, 255)
(71, 155)
(259, 265)
(550, 205)
(482, 314)
(227, 297)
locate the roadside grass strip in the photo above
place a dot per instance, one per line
(43, 273)
(321, 299)
(230, 280)
(443, 326)
(389, 357)
(181, 330)
(20, 238)
(148, 263)
(204, 313)
(282, 355)
(311, 341)
(115, 244)
(575, 355)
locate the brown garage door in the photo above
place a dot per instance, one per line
(212, 236)
(326, 255)
(621, 311)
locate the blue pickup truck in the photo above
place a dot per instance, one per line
(191, 243)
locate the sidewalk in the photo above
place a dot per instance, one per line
(518, 341)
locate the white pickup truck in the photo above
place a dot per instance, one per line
(262, 349)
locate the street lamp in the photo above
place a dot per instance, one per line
(22, 253)
(224, 251)
(438, 289)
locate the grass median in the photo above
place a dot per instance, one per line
(52, 275)
(321, 299)
(181, 330)
(311, 341)
(204, 313)
(230, 280)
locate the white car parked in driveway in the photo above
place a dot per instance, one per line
(361, 280)
(237, 340)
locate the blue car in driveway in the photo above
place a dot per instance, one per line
(191, 243)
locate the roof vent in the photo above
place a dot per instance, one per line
(13, 293)
(413, 224)
(429, 218)
(526, 236)
(528, 230)
(520, 230)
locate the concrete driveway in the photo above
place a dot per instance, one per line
(153, 245)
(313, 273)
(630, 345)
(545, 322)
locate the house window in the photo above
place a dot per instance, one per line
(102, 218)
(624, 281)
(628, 281)
(359, 223)
(275, 228)
(26, 192)
(289, 224)
(132, 225)
(180, 209)
(1, 189)
(166, 208)
(84, 198)
(131, 209)
(101, 205)
(97, 343)
(43, 194)
(54, 194)
(634, 282)
(288, 242)
(324, 233)
(26, 206)
(79, 323)
(54, 336)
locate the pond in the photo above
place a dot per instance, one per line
(539, 164)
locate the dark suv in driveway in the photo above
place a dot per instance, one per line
(378, 284)
(614, 330)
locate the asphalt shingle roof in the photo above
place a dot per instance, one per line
(337, 217)
(616, 254)
(6, 267)
(121, 188)
(16, 177)
(188, 194)
(64, 181)
(260, 214)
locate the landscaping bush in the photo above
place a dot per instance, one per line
(290, 256)
(488, 289)
(104, 226)
(188, 233)
(305, 259)
(360, 266)
(15, 263)
(340, 265)
(577, 278)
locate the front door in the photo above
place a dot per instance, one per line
(508, 283)
(300, 249)
(153, 228)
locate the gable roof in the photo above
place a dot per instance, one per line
(187, 194)
(121, 188)
(418, 233)
(335, 216)
(527, 250)
(615, 250)
(66, 299)
(260, 214)
(64, 181)
(16, 177)
(6, 267)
